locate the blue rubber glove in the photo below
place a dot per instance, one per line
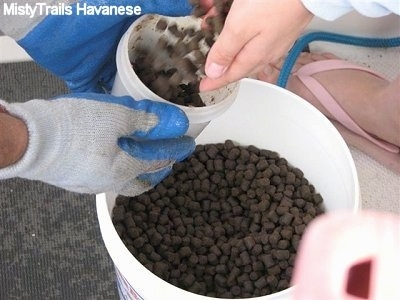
(81, 49)
(92, 143)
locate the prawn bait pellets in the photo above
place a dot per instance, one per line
(221, 232)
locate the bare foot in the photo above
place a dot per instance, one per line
(372, 102)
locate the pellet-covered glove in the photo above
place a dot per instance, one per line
(107, 144)
(77, 40)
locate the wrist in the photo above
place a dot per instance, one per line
(13, 138)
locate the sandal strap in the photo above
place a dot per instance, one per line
(325, 98)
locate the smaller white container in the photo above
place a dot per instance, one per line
(143, 34)
(267, 117)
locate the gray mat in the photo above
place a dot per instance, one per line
(50, 242)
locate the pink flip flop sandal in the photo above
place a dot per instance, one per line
(305, 76)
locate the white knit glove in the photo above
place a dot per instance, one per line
(93, 143)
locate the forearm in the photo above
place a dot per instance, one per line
(13, 139)
(93, 143)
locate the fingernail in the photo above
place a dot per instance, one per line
(267, 70)
(215, 70)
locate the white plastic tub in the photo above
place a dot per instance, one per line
(270, 118)
(142, 33)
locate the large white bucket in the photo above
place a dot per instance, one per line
(271, 118)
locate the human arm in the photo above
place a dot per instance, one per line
(268, 29)
(105, 147)
(13, 139)
(92, 143)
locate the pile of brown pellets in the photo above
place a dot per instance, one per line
(226, 223)
(174, 68)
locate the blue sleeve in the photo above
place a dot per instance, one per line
(81, 48)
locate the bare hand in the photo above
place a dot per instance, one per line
(256, 32)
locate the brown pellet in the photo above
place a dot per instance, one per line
(211, 228)
(260, 283)
(161, 24)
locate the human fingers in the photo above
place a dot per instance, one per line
(231, 40)
(245, 63)
(174, 149)
(206, 4)
(251, 59)
(171, 121)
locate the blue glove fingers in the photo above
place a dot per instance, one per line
(172, 120)
(154, 178)
(158, 150)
